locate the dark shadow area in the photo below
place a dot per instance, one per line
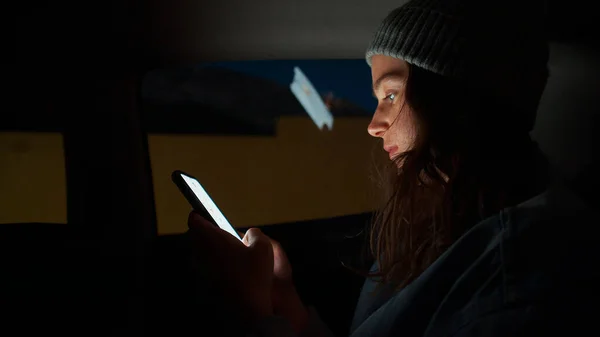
(69, 282)
(60, 279)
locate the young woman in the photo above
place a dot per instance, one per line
(471, 240)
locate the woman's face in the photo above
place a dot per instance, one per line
(393, 120)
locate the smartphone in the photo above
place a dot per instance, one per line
(197, 196)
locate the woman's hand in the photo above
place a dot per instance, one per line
(242, 272)
(254, 275)
(285, 299)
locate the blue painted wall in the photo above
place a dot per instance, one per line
(347, 79)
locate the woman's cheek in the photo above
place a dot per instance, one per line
(404, 130)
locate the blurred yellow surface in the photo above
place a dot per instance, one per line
(32, 178)
(302, 173)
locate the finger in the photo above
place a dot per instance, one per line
(200, 227)
(277, 248)
(281, 265)
(211, 246)
(274, 243)
(250, 236)
(205, 234)
(206, 230)
(254, 238)
(195, 220)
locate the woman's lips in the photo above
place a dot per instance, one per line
(392, 150)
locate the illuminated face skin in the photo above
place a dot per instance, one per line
(393, 120)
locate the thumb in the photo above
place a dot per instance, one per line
(257, 241)
(253, 237)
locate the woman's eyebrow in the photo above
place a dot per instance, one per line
(395, 75)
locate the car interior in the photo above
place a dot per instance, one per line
(106, 99)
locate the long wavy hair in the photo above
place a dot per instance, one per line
(469, 159)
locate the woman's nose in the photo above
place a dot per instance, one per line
(378, 126)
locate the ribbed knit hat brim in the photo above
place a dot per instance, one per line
(498, 47)
(425, 38)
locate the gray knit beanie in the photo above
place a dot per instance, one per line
(499, 46)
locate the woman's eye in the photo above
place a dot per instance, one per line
(391, 97)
